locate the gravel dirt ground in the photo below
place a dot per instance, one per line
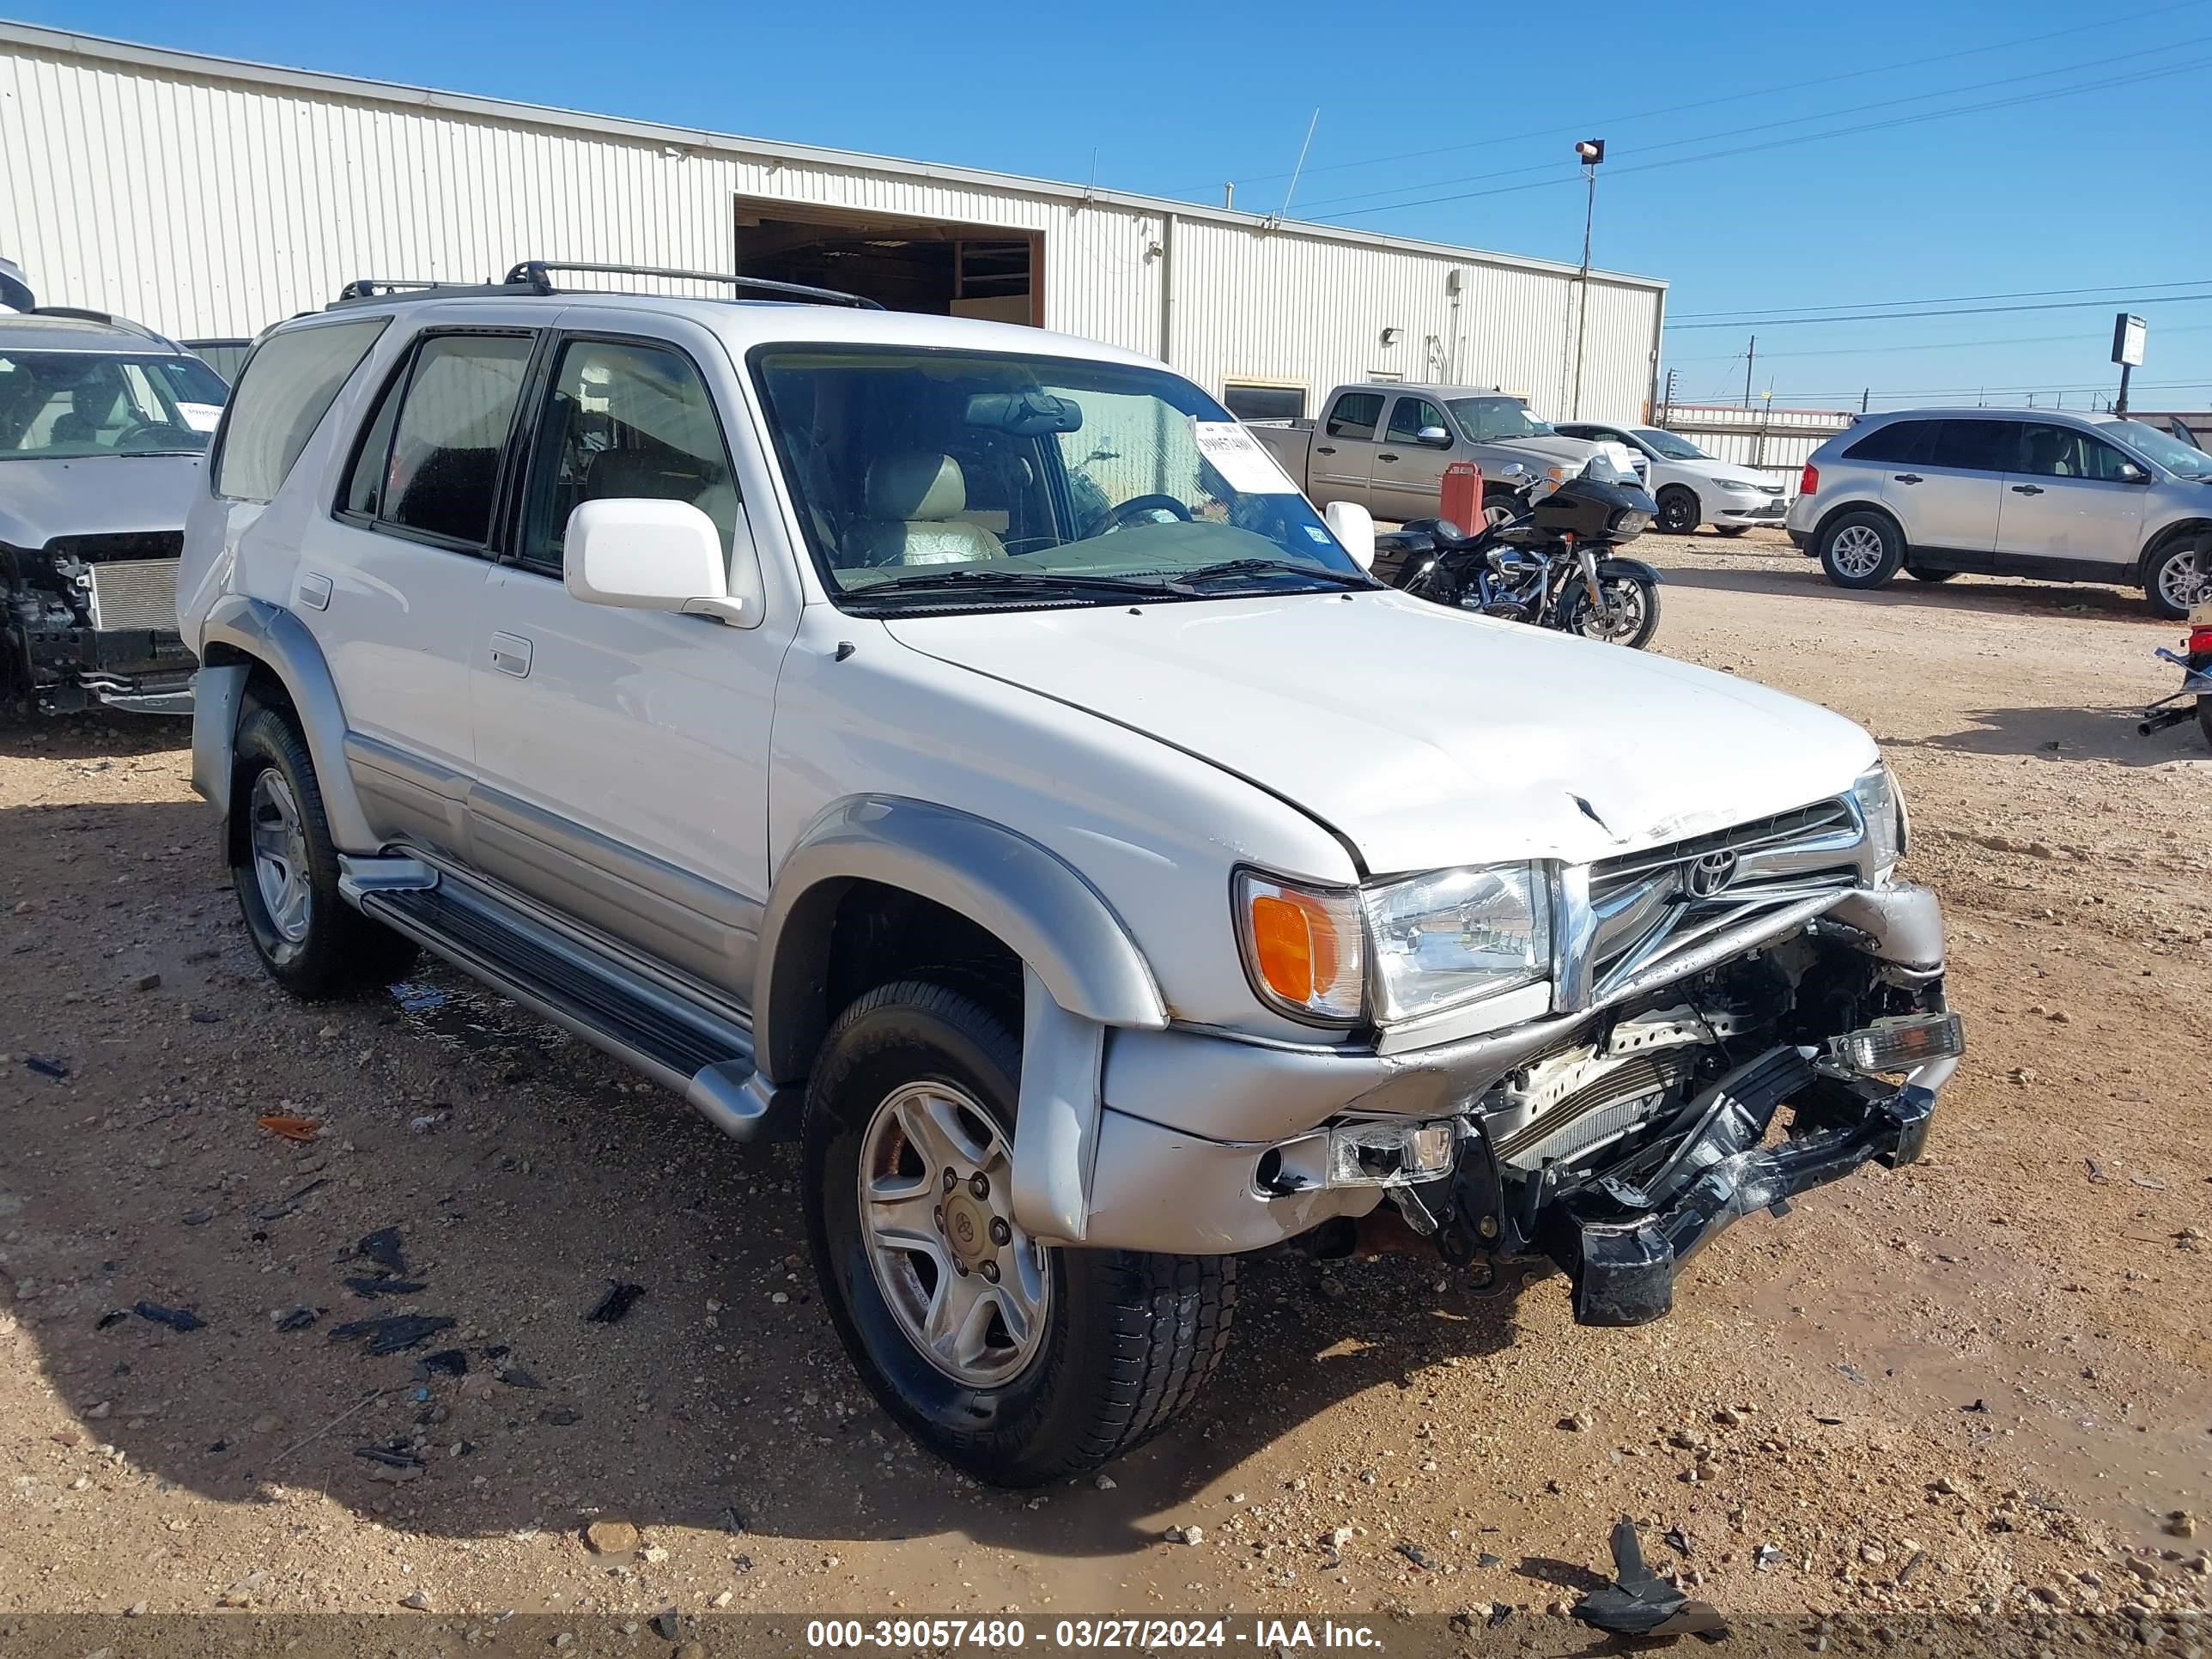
(1975, 1386)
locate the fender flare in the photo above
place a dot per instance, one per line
(1633, 568)
(1048, 914)
(280, 642)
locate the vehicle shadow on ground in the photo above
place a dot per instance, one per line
(1991, 595)
(524, 1174)
(2066, 734)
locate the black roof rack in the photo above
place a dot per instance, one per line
(362, 288)
(535, 275)
(84, 315)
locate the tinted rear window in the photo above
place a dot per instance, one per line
(1974, 446)
(284, 392)
(1899, 442)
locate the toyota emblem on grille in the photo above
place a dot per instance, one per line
(1710, 874)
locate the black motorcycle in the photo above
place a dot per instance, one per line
(2195, 662)
(1548, 562)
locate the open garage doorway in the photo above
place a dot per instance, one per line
(931, 265)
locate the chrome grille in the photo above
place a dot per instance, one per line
(1648, 906)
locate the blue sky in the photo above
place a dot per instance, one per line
(2059, 163)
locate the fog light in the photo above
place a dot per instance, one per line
(1389, 1154)
(1900, 1044)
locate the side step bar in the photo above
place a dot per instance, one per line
(676, 1040)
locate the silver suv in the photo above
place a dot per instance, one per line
(2072, 498)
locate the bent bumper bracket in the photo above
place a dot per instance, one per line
(1623, 1246)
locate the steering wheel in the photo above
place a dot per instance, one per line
(1119, 517)
(145, 435)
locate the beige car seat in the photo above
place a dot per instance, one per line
(914, 504)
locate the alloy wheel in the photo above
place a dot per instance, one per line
(1857, 550)
(279, 842)
(969, 1286)
(1618, 616)
(2184, 582)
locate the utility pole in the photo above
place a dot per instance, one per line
(1863, 396)
(1666, 407)
(1591, 152)
(1750, 356)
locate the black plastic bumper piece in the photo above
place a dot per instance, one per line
(1623, 1244)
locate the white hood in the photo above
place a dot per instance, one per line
(1428, 736)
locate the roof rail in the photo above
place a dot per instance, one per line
(384, 288)
(536, 276)
(84, 315)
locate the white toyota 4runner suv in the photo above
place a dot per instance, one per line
(958, 746)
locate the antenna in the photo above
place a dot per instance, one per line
(1290, 188)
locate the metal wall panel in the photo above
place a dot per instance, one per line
(208, 197)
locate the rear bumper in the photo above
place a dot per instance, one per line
(1623, 1246)
(1803, 538)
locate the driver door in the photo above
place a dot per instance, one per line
(1409, 475)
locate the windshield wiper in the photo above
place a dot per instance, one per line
(1010, 581)
(1180, 582)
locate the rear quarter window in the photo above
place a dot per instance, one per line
(284, 392)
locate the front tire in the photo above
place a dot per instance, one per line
(1630, 617)
(1019, 1363)
(1678, 511)
(285, 867)
(1861, 551)
(2179, 576)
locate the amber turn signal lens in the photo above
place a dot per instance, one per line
(1293, 943)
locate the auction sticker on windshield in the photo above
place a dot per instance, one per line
(1242, 459)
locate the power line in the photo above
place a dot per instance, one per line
(1944, 300)
(1968, 311)
(1804, 138)
(1734, 98)
(2164, 47)
(1987, 390)
(1927, 345)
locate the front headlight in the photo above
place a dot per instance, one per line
(1740, 485)
(1882, 804)
(1631, 522)
(1458, 935)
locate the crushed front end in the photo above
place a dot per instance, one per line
(1767, 1015)
(92, 619)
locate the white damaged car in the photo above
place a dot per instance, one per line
(958, 746)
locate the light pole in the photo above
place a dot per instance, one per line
(1590, 151)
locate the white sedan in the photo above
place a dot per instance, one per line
(1690, 486)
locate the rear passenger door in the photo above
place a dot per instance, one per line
(1344, 448)
(1408, 480)
(1945, 485)
(2070, 508)
(390, 577)
(622, 753)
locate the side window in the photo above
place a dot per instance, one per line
(449, 434)
(1355, 415)
(1974, 446)
(2061, 452)
(364, 491)
(1410, 415)
(1898, 444)
(283, 395)
(624, 419)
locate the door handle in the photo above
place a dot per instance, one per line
(1907, 477)
(1324, 449)
(1386, 456)
(510, 654)
(2027, 490)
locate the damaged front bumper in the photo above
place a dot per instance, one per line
(1622, 1242)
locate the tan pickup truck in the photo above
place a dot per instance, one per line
(1386, 446)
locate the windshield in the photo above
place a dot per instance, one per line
(960, 479)
(1668, 445)
(2168, 451)
(57, 405)
(1484, 420)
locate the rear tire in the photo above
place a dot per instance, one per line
(2178, 576)
(1862, 549)
(1678, 511)
(1109, 1347)
(1919, 574)
(286, 870)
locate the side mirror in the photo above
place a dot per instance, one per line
(644, 555)
(1353, 525)
(2131, 473)
(1434, 436)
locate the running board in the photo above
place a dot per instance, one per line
(676, 1040)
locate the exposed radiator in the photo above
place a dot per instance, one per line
(128, 595)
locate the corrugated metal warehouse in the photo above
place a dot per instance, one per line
(208, 197)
